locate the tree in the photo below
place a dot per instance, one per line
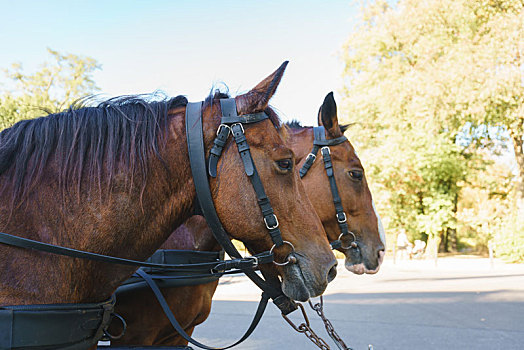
(431, 83)
(55, 86)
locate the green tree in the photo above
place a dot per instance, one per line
(429, 84)
(53, 87)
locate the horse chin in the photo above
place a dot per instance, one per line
(298, 282)
(360, 268)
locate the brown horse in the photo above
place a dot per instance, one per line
(115, 179)
(147, 325)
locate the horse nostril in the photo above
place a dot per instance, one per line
(332, 273)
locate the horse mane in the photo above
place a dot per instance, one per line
(296, 125)
(120, 133)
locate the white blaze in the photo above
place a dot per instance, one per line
(381, 231)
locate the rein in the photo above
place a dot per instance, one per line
(320, 142)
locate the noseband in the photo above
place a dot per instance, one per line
(320, 142)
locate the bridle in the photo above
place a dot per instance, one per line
(230, 123)
(320, 142)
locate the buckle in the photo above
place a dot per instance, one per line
(311, 155)
(343, 220)
(241, 126)
(255, 260)
(223, 126)
(325, 148)
(271, 227)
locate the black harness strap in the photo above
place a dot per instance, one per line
(240, 262)
(320, 142)
(270, 219)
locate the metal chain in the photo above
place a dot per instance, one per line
(319, 309)
(305, 328)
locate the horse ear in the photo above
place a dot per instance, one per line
(327, 116)
(258, 98)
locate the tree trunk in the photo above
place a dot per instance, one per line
(443, 246)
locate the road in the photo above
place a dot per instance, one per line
(462, 303)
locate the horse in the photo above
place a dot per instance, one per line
(115, 179)
(146, 323)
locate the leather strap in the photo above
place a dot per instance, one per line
(22, 242)
(270, 219)
(162, 301)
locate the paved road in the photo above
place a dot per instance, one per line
(462, 303)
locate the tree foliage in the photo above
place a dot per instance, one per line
(436, 87)
(56, 85)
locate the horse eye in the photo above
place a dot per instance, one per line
(356, 175)
(285, 164)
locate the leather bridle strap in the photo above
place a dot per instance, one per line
(165, 306)
(270, 219)
(195, 140)
(318, 142)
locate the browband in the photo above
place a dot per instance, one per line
(318, 142)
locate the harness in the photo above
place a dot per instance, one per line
(11, 323)
(320, 142)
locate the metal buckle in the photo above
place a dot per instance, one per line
(273, 227)
(353, 244)
(345, 219)
(287, 260)
(241, 126)
(325, 147)
(223, 126)
(311, 155)
(255, 260)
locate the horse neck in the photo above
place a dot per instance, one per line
(193, 234)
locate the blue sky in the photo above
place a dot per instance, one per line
(184, 47)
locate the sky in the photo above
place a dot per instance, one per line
(187, 47)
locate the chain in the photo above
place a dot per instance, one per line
(305, 328)
(319, 309)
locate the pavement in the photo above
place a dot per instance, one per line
(460, 303)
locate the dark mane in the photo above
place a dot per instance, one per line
(117, 134)
(295, 124)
